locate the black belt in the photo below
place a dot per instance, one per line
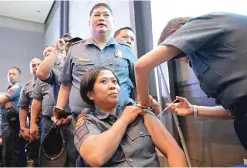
(47, 117)
(238, 110)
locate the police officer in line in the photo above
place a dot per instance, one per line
(125, 35)
(10, 120)
(49, 71)
(42, 102)
(100, 49)
(25, 102)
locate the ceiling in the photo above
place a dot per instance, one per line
(34, 11)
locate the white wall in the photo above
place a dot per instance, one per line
(52, 32)
(18, 24)
(20, 41)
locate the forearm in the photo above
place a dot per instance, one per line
(164, 141)
(23, 117)
(147, 63)
(35, 110)
(213, 112)
(46, 66)
(97, 154)
(4, 99)
(63, 96)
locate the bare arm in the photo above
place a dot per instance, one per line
(63, 95)
(35, 110)
(46, 65)
(217, 112)
(184, 108)
(147, 63)
(164, 141)
(23, 117)
(4, 99)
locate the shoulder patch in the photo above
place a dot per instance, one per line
(80, 120)
(77, 42)
(11, 91)
(28, 83)
(81, 131)
(16, 86)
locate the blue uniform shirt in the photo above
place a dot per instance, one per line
(216, 46)
(85, 55)
(13, 93)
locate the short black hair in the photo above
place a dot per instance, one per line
(99, 5)
(67, 35)
(16, 68)
(123, 28)
(88, 80)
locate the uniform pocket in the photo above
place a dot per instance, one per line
(82, 65)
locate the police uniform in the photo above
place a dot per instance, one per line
(136, 148)
(10, 133)
(215, 45)
(43, 91)
(26, 95)
(13, 93)
(26, 102)
(69, 128)
(85, 55)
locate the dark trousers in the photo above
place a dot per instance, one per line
(13, 148)
(72, 153)
(239, 111)
(240, 125)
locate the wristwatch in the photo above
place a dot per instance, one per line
(195, 110)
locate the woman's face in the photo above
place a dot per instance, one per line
(106, 90)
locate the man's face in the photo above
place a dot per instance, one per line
(34, 64)
(47, 51)
(126, 36)
(101, 21)
(13, 76)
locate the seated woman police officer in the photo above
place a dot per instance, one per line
(110, 136)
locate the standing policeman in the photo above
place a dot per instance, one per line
(10, 120)
(100, 49)
(49, 72)
(25, 102)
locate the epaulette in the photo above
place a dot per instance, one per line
(28, 83)
(80, 41)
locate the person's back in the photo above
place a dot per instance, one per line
(215, 45)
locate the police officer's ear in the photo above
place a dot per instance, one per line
(90, 95)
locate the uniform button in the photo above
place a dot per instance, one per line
(141, 133)
(131, 160)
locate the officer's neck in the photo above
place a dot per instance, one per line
(101, 40)
(110, 110)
